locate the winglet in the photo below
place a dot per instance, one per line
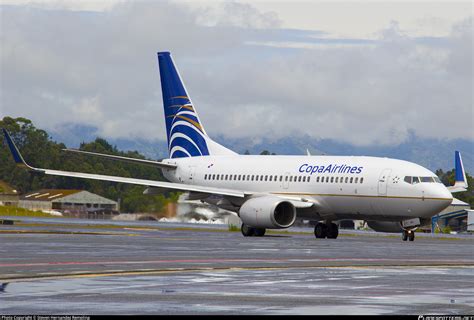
(460, 183)
(14, 150)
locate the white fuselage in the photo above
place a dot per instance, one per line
(348, 187)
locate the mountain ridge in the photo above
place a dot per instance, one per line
(431, 153)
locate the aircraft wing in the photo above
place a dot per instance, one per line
(126, 159)
(150, 183)
(297, 201)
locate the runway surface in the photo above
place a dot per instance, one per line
(65, 266)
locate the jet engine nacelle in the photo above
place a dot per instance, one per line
(385, 226)
(268, 212)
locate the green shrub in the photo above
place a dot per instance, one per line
(447, 229)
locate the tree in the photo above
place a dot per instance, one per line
(39, 150)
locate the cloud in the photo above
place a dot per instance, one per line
(246, 75)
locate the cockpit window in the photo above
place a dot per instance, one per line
(415, 180)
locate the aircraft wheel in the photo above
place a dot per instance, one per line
(247, 231)
(320, 231)
(411, 235)
(260, 232)
(404, 235)
(332, 231)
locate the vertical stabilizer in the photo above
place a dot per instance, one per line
(185, 132)
(460, 175)
(460, 183)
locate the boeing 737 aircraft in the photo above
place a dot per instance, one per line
(271, 192)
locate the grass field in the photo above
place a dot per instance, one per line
(20, 212)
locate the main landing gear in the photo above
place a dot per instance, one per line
(408, 235)
(326, 230)
(248, 231)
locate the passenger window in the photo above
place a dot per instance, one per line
(266, 178)
(275, 178)
(327, 179)
(281, 178)
(347, 179)
(291, 178)
(252, 177)
(350, 181)
(286, 178)
(317, 179)
(361, 180)
(332, 179)
(308, 179)
(205, 177)
(337, 179)
(270, 178)
(299, 179)
(356, 180)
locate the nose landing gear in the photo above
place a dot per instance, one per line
(408, 235)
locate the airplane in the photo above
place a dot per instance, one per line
(271, 192)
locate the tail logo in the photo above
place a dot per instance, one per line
(186, 135)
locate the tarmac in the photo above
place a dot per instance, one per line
(68, 266)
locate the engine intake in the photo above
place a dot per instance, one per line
(268, 212)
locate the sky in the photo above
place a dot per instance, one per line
(365, 73)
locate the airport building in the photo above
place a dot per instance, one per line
(8, 195)
(455, 217)
(67, 201)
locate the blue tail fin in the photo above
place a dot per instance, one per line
(460, 183)
(186, 135)
(460, 175)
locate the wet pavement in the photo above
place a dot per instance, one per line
(151, 268)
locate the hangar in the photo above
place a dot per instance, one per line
(67, 201)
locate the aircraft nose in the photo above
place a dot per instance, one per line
(444, 195)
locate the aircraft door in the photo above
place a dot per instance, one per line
(383, 182)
